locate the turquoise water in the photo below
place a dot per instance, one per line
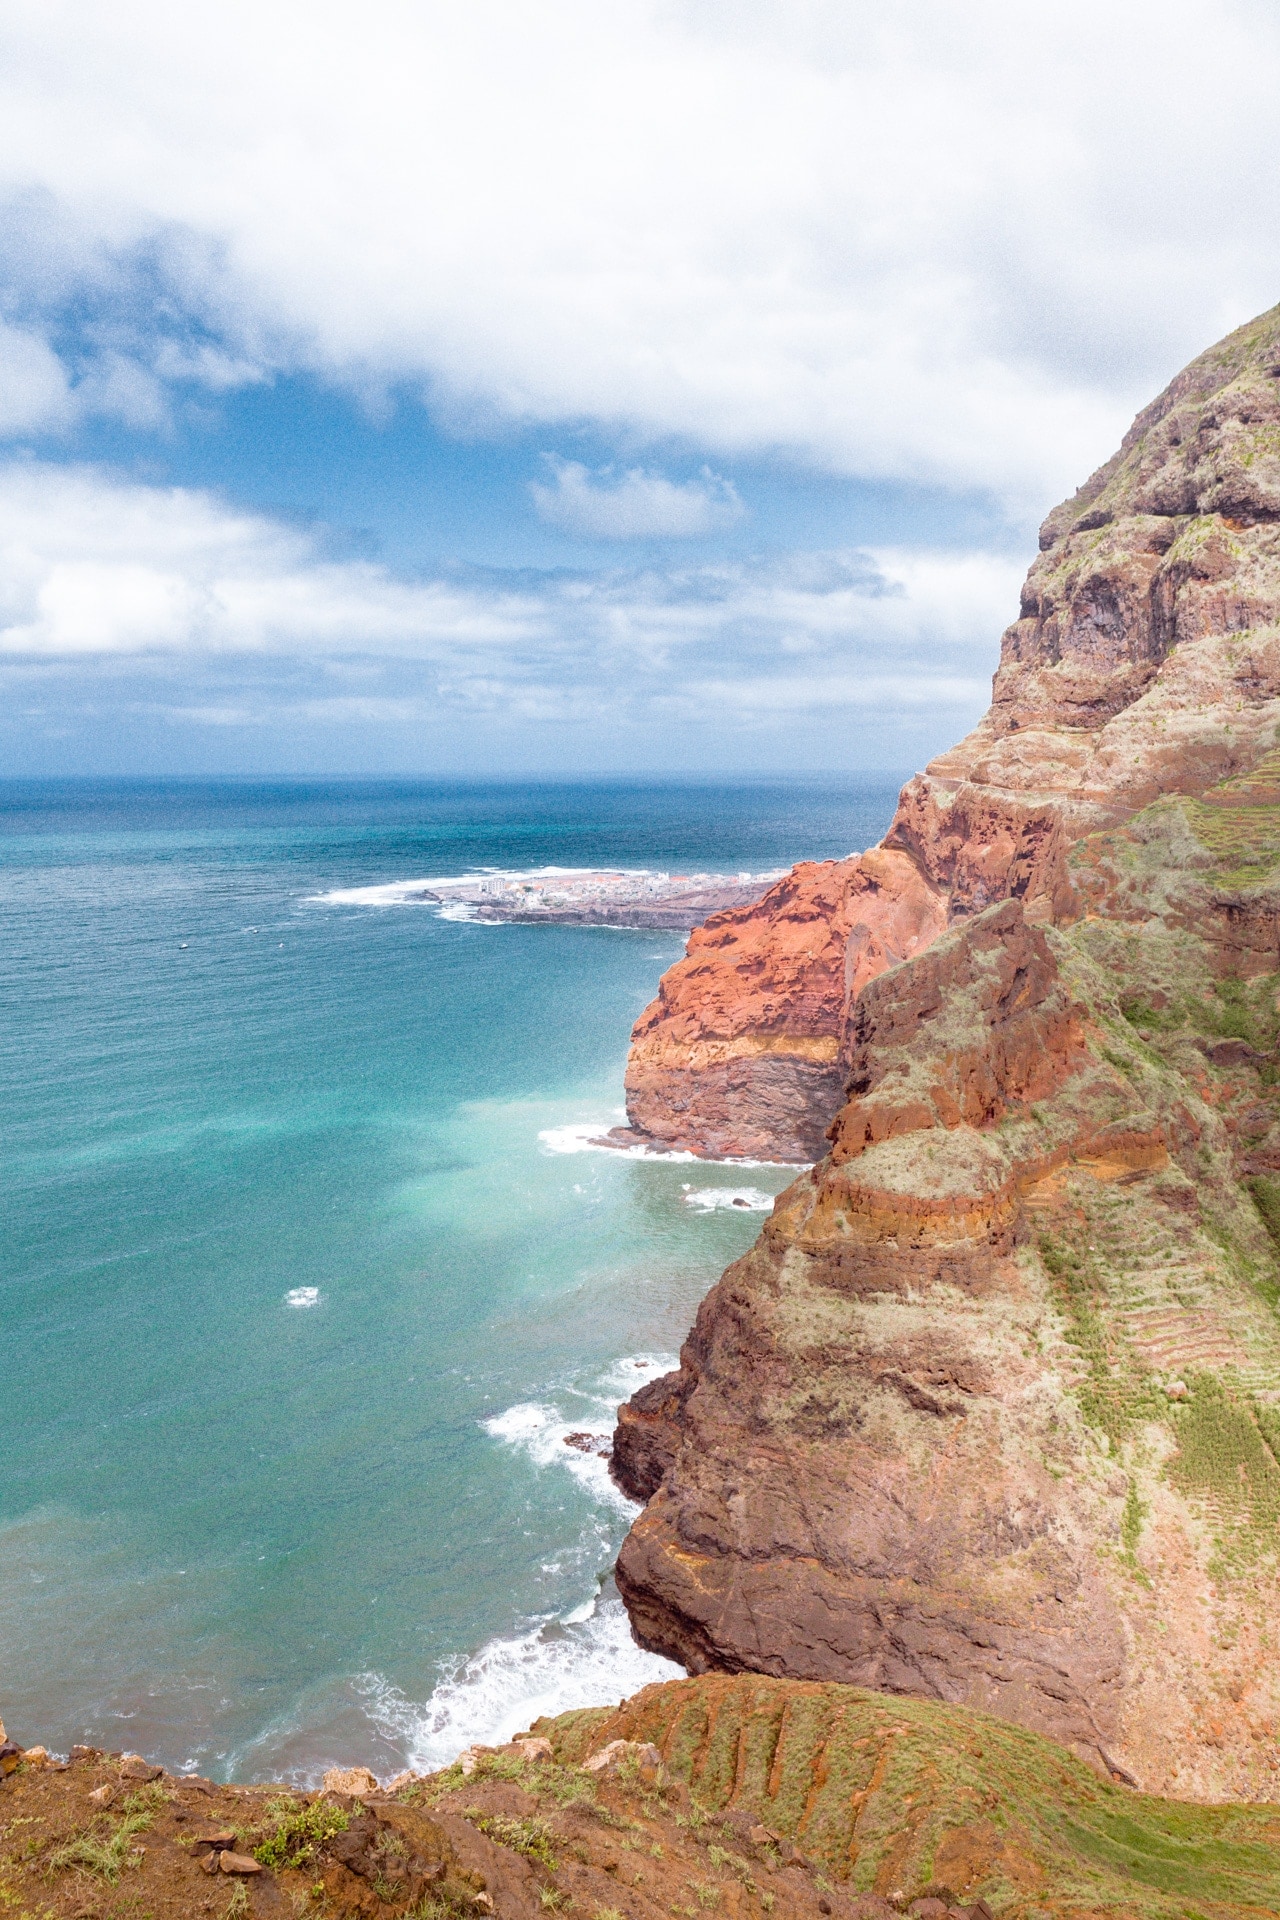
(301, 1290)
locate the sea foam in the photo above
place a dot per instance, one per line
(587, 1658)
(741, 1199)
(589, 1136)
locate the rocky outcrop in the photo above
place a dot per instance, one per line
(739, 1056)
(1144, 662)
(991, 1412)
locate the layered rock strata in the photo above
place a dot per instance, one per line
(1143, 662)
(991, 1412)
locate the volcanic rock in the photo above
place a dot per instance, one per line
(1145, 662)
(990, 1414)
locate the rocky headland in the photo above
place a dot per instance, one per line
(584, 898)
(990, 1414)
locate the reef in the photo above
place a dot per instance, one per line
(990, 1415)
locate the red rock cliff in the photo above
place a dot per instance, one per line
(991, 1412)
(1118, 682)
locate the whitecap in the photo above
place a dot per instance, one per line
(416, 893)
(577, 1439)
(741, 1199)
(302, 1297)
(590, 1137)
(586, 1658)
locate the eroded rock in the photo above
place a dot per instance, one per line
(1039, 1243)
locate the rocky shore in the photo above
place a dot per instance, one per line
(671, 901)
(991, 1412)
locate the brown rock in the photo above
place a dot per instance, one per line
(641, 1752)
(238, 1863)
(352, 1780)
(1144, 663)
(739, 1056)
(1040, 1019)
(134, 1767)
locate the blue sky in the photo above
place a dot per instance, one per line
(670, 387)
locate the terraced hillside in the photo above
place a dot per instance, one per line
(742, 1797)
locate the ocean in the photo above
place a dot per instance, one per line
(308, 1269)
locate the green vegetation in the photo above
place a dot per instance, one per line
(566, 1785)
(100, 1851)
(1226, 1457)
(1245, 838)
(945, 1795)
(446, 1903)
(300, 1832)
(1131, 1531)
(1266, 1198)
(530, 1837)
(1116, 1392)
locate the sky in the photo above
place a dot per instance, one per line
(474, 389)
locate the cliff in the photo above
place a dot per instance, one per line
(744, 1797)
(991, 1412)
(1144, 662)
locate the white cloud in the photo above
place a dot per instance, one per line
(956, 245)
(91, 566)
(33, 383)
(224, 619)
(634, 505)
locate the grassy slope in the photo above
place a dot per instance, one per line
(895, 1794)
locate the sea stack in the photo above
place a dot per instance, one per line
(990, 1414)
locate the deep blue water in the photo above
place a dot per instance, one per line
(258, 1535)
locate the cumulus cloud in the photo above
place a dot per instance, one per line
(91, 566)
(218, 619)
(634, 505)
(936, 244)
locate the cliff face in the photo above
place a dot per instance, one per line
(991, 1412)
(740, 1053)
(1143, 663)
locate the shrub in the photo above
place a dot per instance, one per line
(301, 1833)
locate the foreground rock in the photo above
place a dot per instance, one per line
(991, 1412)
(737, 1796)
